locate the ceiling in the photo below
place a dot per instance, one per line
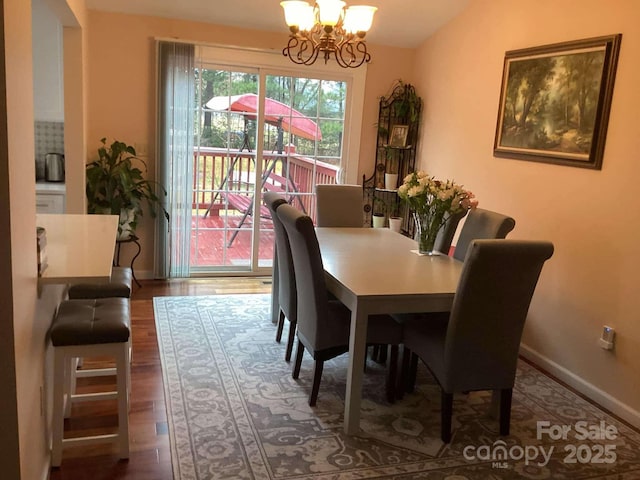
(398, 23)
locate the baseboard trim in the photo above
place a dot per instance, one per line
(599, 396)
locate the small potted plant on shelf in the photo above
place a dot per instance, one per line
(391, 170)
(395, 220)
(116, 186)
(386, 207)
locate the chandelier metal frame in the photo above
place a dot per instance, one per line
(305, 46)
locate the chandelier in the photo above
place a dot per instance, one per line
(325, 29)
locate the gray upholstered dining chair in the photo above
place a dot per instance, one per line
(475, 347)
(284, 277)
(482, 224)
(323, 325)
(339, 205)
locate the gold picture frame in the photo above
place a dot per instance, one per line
(398, 136)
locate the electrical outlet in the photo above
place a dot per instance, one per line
(607, 339)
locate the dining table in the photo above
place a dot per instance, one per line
(378, 271)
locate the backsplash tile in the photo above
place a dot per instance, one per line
(49, 138)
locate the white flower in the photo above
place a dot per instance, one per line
(414, 191)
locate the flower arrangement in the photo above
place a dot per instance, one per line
(433, 202)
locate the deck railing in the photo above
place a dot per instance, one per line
(217, 170)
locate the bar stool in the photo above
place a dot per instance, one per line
(119, 286)
(88, 328)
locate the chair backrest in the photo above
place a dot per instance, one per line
(310, 283)
(339, 206)
(287, 295)
(447, 232)
(482, 224)
(489, 311)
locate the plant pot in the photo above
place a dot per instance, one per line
(127, 224)
(390, 181)
(395, 224)
(378, 220)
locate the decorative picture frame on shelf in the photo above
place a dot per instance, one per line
(398, 136)
(555, 102)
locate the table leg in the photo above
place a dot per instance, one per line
(275, 289)
(357, 351)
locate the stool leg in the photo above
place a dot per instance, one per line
(70, 384)
(60, 364)
(122, 363)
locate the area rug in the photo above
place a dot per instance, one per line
(234, 412)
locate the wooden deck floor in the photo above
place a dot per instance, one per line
(210, 238)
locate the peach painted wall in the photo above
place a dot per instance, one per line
(591, 216)
(122, 85)
(25, 316)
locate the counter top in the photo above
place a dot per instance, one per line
(79, 247)
(50, 187)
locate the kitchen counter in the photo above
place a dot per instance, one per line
(50, 197)
(79, 247)
(51, 187)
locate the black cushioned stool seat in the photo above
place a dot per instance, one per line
(90, 328)
(119, 286)
(88, 322)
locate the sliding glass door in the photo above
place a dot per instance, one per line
(257, 129)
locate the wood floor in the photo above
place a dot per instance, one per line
(150, 457)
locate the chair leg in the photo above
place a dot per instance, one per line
(59, 368)
(317, 376)
(392, 375)
(375, 351)
(290, 340)
(413, 371)
(123, 381)
(445, 416)
(403, 373)
(505, 410)
(382, 354)
(296, 366)
(280, 326)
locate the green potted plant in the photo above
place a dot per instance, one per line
(385, 206)
(116, 186)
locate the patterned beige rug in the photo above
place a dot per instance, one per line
(235, 413)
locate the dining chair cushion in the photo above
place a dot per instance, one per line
(339, 205)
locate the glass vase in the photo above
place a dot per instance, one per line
(427, 227)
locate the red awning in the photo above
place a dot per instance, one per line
(276, 113)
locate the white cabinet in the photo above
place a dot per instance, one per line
(48, 86)
(50, 197)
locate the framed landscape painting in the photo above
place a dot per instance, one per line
(555, 102)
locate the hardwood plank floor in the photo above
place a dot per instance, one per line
(150, 456)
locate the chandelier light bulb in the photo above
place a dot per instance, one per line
(295, 13)
(359, 18)
(330, 11)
